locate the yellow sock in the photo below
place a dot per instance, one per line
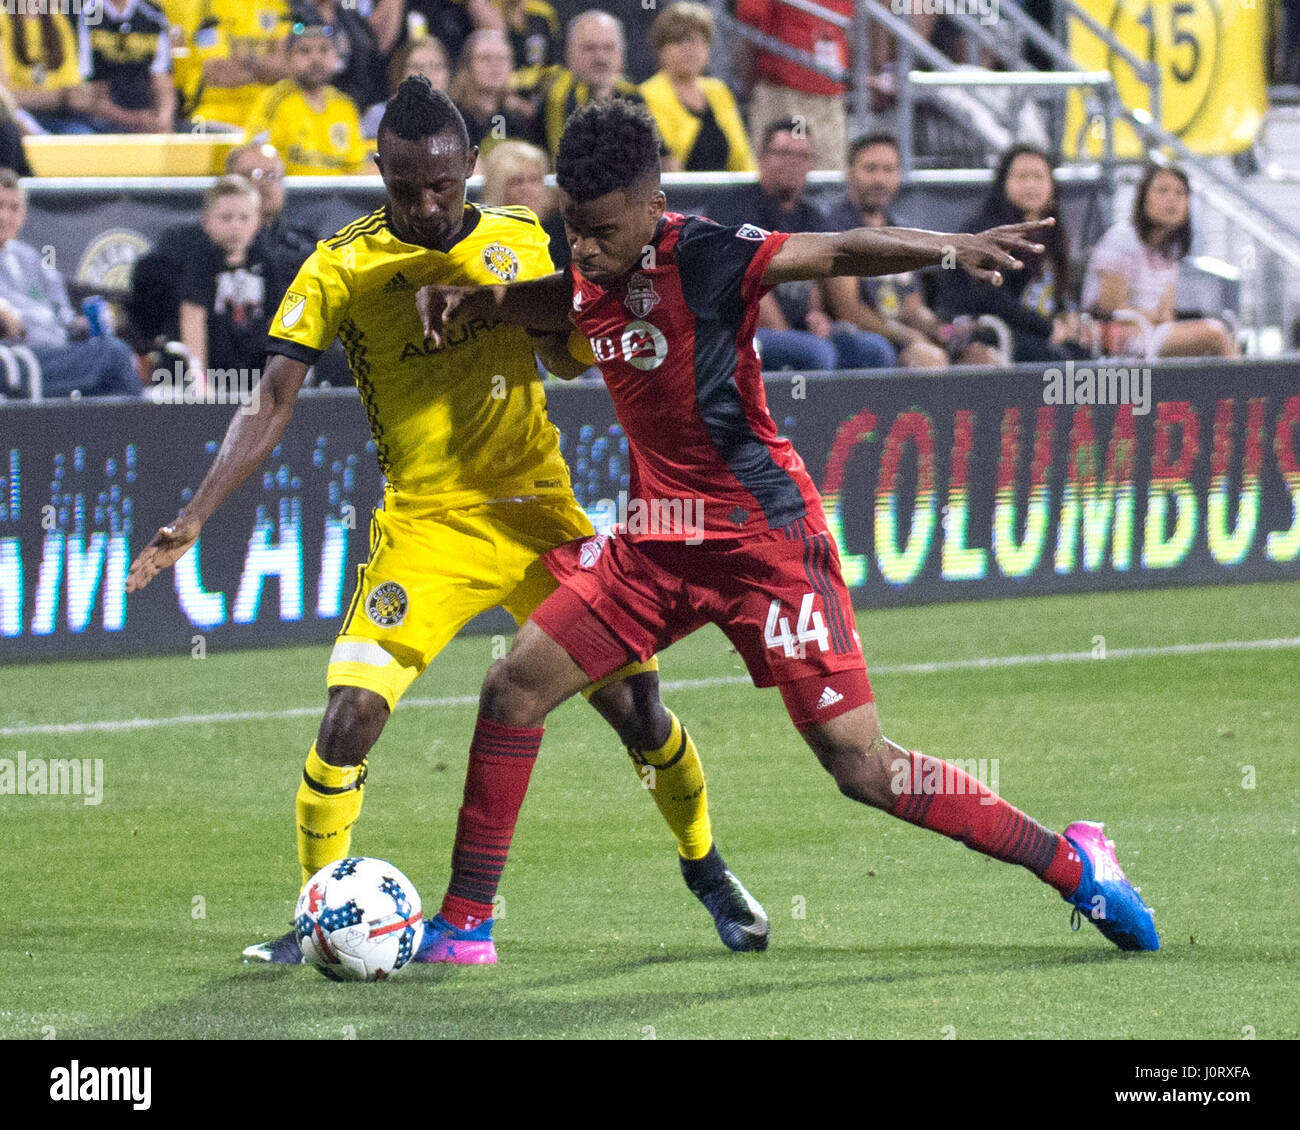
(675, 778)
(329, 802)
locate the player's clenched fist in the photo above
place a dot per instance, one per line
(168, 546)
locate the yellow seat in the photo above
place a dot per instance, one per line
(130, 155)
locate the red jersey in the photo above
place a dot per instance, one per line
(825, 41)
(674, 340)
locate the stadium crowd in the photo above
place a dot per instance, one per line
(302, 84)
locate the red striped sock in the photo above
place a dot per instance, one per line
(944, 799)
(500, 762)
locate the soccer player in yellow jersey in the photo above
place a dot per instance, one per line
(315, 127)
(476, 491)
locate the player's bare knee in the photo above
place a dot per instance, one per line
(353, 721)
(507, 696)
(862, 772)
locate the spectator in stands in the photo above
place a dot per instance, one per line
(14, 122)
(594, 51)
(285, 244)
(361, 73)
(451, 21)
(227, 298)
(479, 89)
(784, 89)
(35, 312)
(426, 57)
(534, 32)
(316, 128)
(153, 305)
(239, 48)
(38, 62)
(891, 305)
(1287, 64)
(1135, 267)
(795, 330)
(1033, 301)
(697, 116)
(514, 172)
(125, 52)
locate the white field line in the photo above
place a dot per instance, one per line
(940, 667)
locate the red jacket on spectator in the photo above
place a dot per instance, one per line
(798, 29)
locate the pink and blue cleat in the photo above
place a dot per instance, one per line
(443, 943)
(1105, 896)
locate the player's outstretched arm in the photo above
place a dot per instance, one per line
(249, 440)
(887, 251)
(539, 304)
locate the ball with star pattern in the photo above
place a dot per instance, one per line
(358, 919)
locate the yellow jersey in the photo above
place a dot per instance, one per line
(231, 28)
(460, 423)
(312, 142)
(20, 38)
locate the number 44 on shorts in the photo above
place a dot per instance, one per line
(811, 628)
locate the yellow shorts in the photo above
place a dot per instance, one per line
(432, 571)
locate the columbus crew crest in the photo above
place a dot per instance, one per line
(501, 261)
(641, 295)
(386, 604)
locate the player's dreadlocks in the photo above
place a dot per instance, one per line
(607, 146)
(417, 111)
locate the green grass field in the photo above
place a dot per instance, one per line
(125, 919)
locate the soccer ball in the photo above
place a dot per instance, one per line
(358, 920)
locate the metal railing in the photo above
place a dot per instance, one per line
(1274, 237)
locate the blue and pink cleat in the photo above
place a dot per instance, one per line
(1105, 896)
(444, 943)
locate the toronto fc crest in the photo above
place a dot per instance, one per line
(641, 295)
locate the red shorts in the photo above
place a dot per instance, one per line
(779, 598)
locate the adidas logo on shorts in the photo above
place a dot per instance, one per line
(829, 698)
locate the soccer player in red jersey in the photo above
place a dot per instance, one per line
(725, 524)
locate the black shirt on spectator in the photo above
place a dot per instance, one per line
(239, 301)
(538, 43)
(125, 50)
(155, 298)
(287, 247)
(711, 148)
(504, 125)
(447, 20)
(363, 78)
